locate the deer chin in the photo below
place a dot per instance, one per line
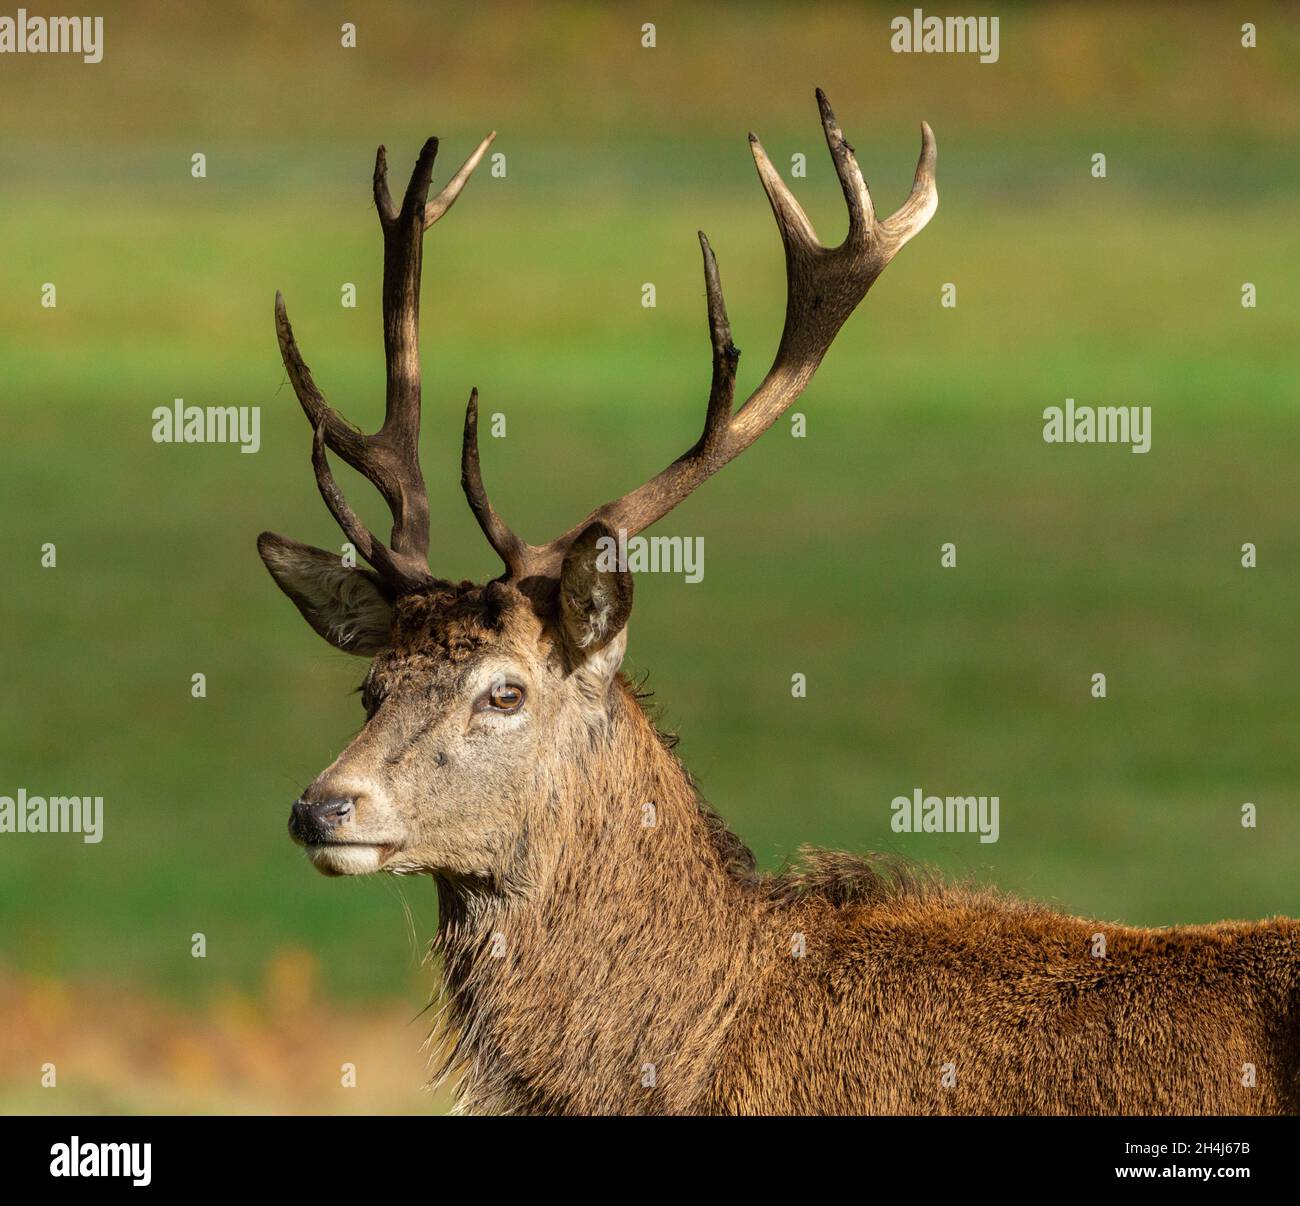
(349, 858)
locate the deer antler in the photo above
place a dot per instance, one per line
(823, 286)
(390, 458)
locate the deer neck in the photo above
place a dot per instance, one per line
(602, 975)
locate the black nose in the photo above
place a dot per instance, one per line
(312, 820)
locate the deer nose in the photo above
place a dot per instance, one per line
(312, 820)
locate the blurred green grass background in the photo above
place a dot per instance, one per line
(822, 554)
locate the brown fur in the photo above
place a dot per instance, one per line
(661, 946)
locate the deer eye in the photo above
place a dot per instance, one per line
(504, 697)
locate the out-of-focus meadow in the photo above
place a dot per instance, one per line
(822, 554)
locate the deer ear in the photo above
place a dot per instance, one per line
(595, 593)
(350, 608)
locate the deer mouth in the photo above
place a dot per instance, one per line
(349, 858)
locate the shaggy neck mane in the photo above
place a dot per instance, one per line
(551, 1000)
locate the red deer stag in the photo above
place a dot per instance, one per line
(597, 963)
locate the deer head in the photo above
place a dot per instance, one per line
(479, 698)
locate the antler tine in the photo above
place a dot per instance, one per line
(823, 287)
(390, 457)
(346, 440)
(862, 213)
(911, 217)
(726, 356)
(374, 551)
(403, 259)
(451, 190)
(792, 222)
(383, 199)
(661, 493)
(509, 547)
